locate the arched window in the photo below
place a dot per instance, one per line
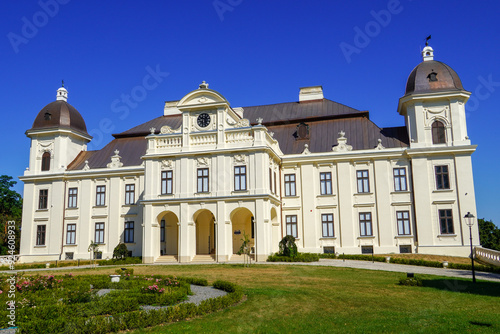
(438, 133)
(46, 161)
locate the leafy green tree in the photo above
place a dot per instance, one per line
(11, 208)
(245, 250)
(93, 248)
(288, 246)
(120, 251)
(489, 234)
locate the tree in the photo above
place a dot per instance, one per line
(489, 234)
(11, 208)
(93, 248)
(288, 246)
(120, 251)
(245, 250)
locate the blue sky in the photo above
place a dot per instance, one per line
(253, 52)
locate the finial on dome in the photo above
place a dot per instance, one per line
(428, 53)
(203, 85)
(62, 93)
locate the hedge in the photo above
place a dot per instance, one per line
(135, 319)
(300, 257)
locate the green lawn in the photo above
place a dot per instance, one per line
(314, 299)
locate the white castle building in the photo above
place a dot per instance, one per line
(192, 182)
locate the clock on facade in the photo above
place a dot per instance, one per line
(203, 120)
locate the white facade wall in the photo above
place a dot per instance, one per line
(212, 222)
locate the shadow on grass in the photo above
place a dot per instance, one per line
(482, 288)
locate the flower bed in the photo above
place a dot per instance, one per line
(60, 304)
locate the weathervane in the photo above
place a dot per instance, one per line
(62, 82)
(427, 40)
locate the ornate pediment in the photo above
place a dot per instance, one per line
(166, 130)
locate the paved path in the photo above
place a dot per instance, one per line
(338, 263)
(402, 268)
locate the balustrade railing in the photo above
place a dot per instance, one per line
(168, 142)
(239, 137)
(486, 255)
(203, 139)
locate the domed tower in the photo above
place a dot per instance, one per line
(57, 136)
(434, 104)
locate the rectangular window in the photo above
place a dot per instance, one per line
(400, 179)
(271, 180)
(329, 250)
(363, 181)
(327, 224)
(291, 226)
(40, 235)
(99, 233)
(72, 197)
(162, 230)
(446, 221)
(129, 194)
(276, 191)
(68, 255)
(240, 178)
(366, 249)
(100, 196)
(442, 178)
(403, 218)
(43, 199)
(290, 185)
(203, 180)
(129, 232)
(365, 224)
(167, 182)
(326, 183)
(71, 234)
(405, 249)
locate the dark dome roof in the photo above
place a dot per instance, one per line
(421, 79)
(60, 114)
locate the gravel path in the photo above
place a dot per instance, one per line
(201, 293)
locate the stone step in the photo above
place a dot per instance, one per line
(204, 258)
(167, 259)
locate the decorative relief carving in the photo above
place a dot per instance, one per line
(165, 130)
(240, 158)
(431, 113)
(202, 161)
(167, 164)
(115, 161)
(342, 144)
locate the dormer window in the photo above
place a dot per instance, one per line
(438, 133)
(47, 116)
(432, 76)
(302, 131)
(46, 161)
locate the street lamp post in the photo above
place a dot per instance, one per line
(469, 220)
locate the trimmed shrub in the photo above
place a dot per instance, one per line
(120, 252)
(300, 257)
(410, 281)
(128, 260)
(288, 246)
